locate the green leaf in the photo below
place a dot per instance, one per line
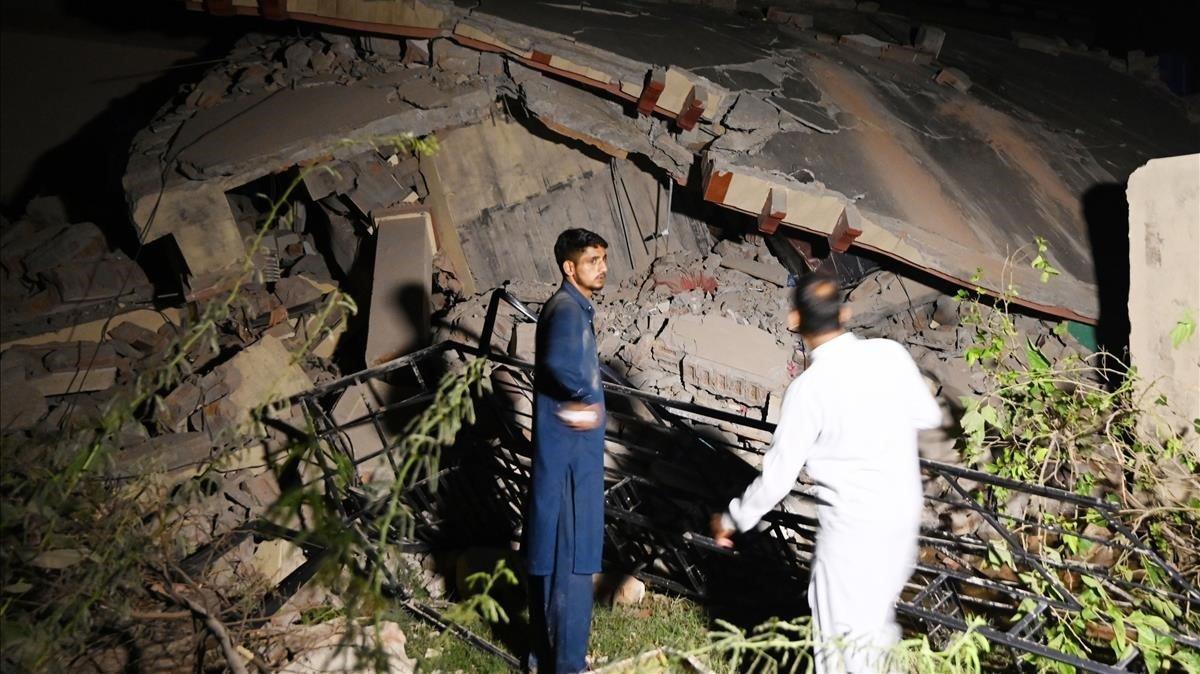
(1184, 329)
(1037, 361)
(58, 559)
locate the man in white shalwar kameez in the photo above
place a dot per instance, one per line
(851, 419)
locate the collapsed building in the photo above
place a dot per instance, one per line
(721, 153)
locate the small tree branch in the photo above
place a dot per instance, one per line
(232, 657)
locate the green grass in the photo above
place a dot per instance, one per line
(617, 633)
(659, 621)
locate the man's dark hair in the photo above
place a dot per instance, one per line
(817, 298)
(572, 242)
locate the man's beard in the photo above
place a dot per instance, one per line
(598, 283)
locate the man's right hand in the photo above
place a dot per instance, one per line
(720, 535)
(581, 417)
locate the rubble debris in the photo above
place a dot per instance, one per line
(453, 58)
(767, 271)
(276, 559)
(177, 456)
(261, 372)
(716, 353)
(332, 647)
(955, 78)
(865, 44)
(618, 589)
(24, 406)
(502, 217)
(930, 39)
(62, 382)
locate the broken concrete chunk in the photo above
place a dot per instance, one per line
(46, 209)
(323, 60)
(750, 113)
(297, 57)
(81, 355)
(75, 381)
(930, 40)
(767, 271)
(416, 52)
(258, 374)
(955, 78)
(718, 354)
(452, 58)
(382, 47)
(864, 43)
(178, 405)
(24, 406)
(83, 242)
(199, 217)
(274, 560)
(326, 179)
(209, 91)
(794, 19)
(295, 291)
(491, 64)
(398, 322)
(111, 278)
(885, 294)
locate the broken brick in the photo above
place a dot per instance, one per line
(178, 405)
(953, 77)
(930, 40)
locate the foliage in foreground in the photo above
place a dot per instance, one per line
(1088, 425)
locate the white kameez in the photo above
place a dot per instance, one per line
(851, 418)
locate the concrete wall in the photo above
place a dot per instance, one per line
(1164, 279)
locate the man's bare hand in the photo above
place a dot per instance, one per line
(581, 417)
(721, 536)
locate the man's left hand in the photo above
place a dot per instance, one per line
(721, 536)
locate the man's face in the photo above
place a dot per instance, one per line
(590, 270)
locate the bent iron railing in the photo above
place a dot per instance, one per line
(669, 466)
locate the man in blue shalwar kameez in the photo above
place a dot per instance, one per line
(564, 530)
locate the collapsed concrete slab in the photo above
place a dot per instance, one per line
(955, 181)
(736, 361)
(509, 192)
(242, 139)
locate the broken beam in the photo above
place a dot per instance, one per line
(656, 81)
(844, 232)
(693, 107)
(774, 211)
